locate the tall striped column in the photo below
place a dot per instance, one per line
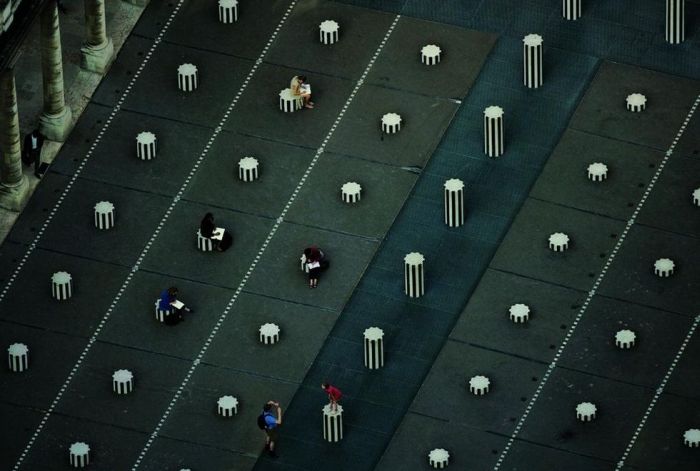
(374, 348)
(494, 134)
(675, 21)
(454, 202)
(532, 60)
(414, 277)
(332, 423)
(571, 9)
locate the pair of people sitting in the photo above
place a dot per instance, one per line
(220, 237)
(174, 308)
(313, 262)
(302, 89)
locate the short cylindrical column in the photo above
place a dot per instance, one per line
(104, 215)
(122, 382)
(79, 454)
(696, 197)
(636, 102)
(289, 102)
(558, 242)
(10, 163)
(227, 406)
(571, 9)
(328, 32)
(18, 357)
(374, 348)
(625, 339)
(691, 438)
(439, 458)
(146, 145)
(332, 423)
(414, 276)
(454, 202)
(187, 77)
(519, 313)
(161, 314)
(675, 21)
(205, 244)
(61, 285)
(532, 60)
(664, 267)
(430, 54)
(391, 123)
(228, 11)
(248, 169)
(494, 133)
(597, 172)
(350, 192)
(269, 334)
(479, 385)
(586, 411)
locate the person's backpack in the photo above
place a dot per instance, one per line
(262, 424)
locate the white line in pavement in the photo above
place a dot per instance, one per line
(269, 237)
(52, 213)
(592, 293)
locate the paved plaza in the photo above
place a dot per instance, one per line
(563, 354)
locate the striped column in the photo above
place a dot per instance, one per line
(104, 215)
(332, 423)
(61, 285)
(454, 202)
(374, 348)
(571, 9)
(675, 21)
(414, 277)
(18, 357)
(532, 60)
(494, 133)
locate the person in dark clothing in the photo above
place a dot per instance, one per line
(271, 424)
(316, 262)
(168, 302)
(221, 238)
(31, 151)
(61, 7)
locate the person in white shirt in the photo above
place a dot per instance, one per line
(302, 89)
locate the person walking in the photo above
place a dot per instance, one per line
(334, 395)
(31, 151)
(270, 424)
(315, 262)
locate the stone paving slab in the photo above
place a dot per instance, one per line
(525, 251)
(10, 255)
(485, 321)
(13, 443)
(685, 380)
(166, 453)
(632, 278)
(548, 458)
(564, 179)
(689, 143)
(603, 111)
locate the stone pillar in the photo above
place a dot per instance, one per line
(675, 21)
(13, 185)
(97, 51)
(138, 3)
(55, 119)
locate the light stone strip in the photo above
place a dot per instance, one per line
(592, 293)
(269, 237)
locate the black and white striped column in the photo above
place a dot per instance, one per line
(146, 145)
(248, 169)
(532, 60)
(61, 285)
(187, 77)
(228, 11)
(571, 9)
(104, 215)
(79, 453)
(494, 132)
(374, 348)
(122, 382)
(18, 357)
(332, 423)
(454, 202)
(675, 21)
(414, 276)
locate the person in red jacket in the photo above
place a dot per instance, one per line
(334, 395)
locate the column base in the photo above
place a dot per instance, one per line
(14, 197)
(56, 126)
(97, 58)
(138, 3)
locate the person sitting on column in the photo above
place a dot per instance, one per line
(169, 303)
(315, 261)
(221, 238)
(334, 394)
(31, 153)
(302, 89)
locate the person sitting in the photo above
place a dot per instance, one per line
(315, 262)
(221, 238)
(302, 90)
(169, 303)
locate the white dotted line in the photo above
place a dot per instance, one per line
(269, 237)
(592, 292)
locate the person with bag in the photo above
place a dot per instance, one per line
(315, 262)
(269, 423)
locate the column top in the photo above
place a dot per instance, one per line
(586, 408)
(61, 277)
(122, 376)
(636, 99)
(351, 188)
(558, 238)
(598, 168)
(414, 258)
(269, 329)
(248, 163)
(374, 333)
(391, 119)
(625, 335)
(664, 264)
(187, 69)
(533, 40)
(439, 455)
(431, 50)
(328, 26)
(228, 3)
(146, 137)
(17, 349)
(79, 448)
(227, 402)
(454, 184)
(328, 411)
(519, 309)
(493, 112)
(104, 207)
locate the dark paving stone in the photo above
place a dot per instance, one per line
(631, 276)
(525, 248)
(603, 111)
(133, 321)
(280, 262)
(281, 166)
(417, 435)
(178, 147)
(153, 19)
(257, 113)
(689, 143)
(485, 321)
(660, 443)
(11, 254)
(155, 380)
(166, 453)
(384, 190)
(534, 457)
(423, 121)
(14, 443)
(463, 55)
(94, 286)
(361, 32)
(685, 379)
(564, 180)
(303, 329)
(175, 251)
(592, 349)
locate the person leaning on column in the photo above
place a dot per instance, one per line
(31, 151)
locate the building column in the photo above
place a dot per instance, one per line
(97, 51)
(138, 3)
(13, 184)
(55, 120)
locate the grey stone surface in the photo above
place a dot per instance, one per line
(15, 442)
(167, 453)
